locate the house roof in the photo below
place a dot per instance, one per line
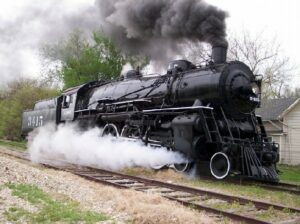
(276, 108)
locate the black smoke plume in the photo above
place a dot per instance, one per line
(157, 28)
(154, 28)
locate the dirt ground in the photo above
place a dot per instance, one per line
(124, 206)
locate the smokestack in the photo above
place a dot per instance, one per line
(219, 54)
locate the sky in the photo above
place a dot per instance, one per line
(25, 25)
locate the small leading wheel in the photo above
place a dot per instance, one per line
(183, 167)
(219, 165)
(110, 129)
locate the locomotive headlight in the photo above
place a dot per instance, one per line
(255, 88)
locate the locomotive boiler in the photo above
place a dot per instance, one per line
(206, 113)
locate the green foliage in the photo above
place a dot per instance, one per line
(85, 60)
(101, 60)
(19, 96)
(62, 211)
(20, 145)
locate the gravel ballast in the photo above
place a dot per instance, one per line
(124, 206)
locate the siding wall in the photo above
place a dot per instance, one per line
(273, 126)
(291, 141)
(283, 151)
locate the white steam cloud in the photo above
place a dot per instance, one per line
(66, 143)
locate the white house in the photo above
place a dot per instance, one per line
(281, 118)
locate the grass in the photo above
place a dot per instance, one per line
(21, 145)
(225, 206)
(50, 210)
(290, 173)
(15, 214)
(273, 214)
(267, 215)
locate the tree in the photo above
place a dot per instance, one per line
(83, 61)
(292, 93)
(17, 97)
(263, 56)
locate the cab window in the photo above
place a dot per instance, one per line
(68, 99)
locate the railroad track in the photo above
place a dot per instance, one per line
(235, 208)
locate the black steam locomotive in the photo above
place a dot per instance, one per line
(206, 113)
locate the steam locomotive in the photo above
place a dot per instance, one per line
(206, 113)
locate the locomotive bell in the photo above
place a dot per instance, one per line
(219, 54)
(182, 65)
(132, 74)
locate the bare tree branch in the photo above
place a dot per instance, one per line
(263, 56)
